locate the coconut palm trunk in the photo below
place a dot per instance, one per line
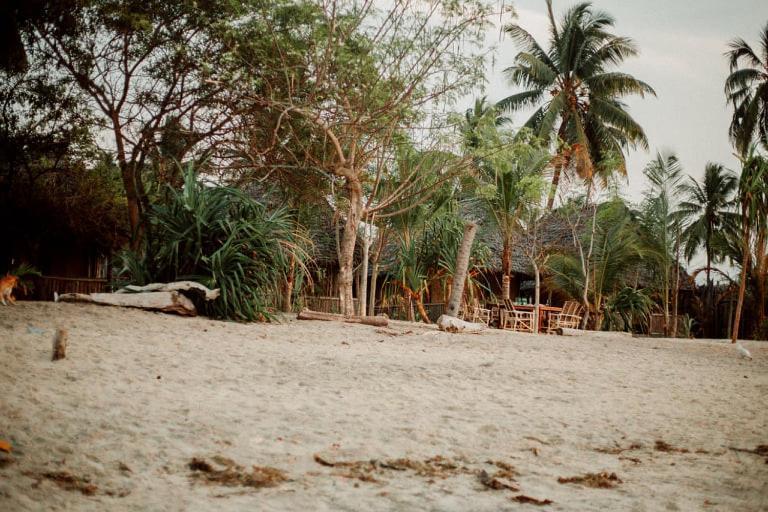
(462, 268)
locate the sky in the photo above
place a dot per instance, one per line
(681, 44)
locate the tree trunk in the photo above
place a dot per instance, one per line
(375, 274)
(288, 291)
(129, 177)
(709, 297)
(676, 296)
(506, 269)
(363, 290)
(536, 295)
(347, 249)
(553, 189)
(743, 281)
(422, 310)
(462, 266)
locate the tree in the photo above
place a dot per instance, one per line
(615, 248)
(145, 67)
(509, 168)
(358, 79)
(575, 90)
(704, 210)
(746, 88)
(661, 226)
(753, 205)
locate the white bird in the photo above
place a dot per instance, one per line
(743, 352)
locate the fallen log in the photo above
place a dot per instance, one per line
(563, 331)
(59, 345)
(377, 321)
(167, 302)
(452, 324)
(172, 287)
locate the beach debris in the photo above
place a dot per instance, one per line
(615, 450)
(5, 446)
(491, 482)
(522, 498)
(364, 470)
(177, 286)
(602, 480)
(166, 302)
(662, 446)
(59, 345)
(31, 329)
(65, 480)
(455, 325)
(376, 321)
(232, 474)
(760, 450)
(744, 353)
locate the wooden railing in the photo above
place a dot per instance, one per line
(325, 304)
(46, 285)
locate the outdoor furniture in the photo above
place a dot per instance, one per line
(569, 318)
(480, 314)
(517, 320)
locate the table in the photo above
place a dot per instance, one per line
(544, 312)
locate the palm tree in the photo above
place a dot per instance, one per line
(753, 202)
(705, 210)
(661, 226)
(576, 90)
(747, 89)
(508, 168)
(618, 248)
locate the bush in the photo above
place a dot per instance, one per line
(219, 237)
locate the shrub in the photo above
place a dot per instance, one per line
(222, 238)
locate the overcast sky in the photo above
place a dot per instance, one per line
(681, 43)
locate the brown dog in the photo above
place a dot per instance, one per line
(7, 284)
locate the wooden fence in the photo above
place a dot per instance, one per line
(325, 304)
(46, 285)
(657, 324)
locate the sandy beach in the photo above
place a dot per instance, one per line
(351, 417)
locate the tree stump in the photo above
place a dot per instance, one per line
(59, 345)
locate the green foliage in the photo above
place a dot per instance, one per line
(221, 238)
(24, 272)
(627, 310)
(617, 250)
(746, 89)
(575, 83)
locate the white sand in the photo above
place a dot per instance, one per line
(275, 395)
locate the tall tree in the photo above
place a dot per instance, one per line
(576, 90)
(509, 167)
(753, 206)
(144, 66)
(358, 78)
(704, 210)
(747, 90)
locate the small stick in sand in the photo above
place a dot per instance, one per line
(59, 345)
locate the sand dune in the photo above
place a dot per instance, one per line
(115, 425)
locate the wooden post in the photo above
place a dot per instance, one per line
(59, 345)
(462, 266)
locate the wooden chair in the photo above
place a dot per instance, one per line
(480, 314)
(517, 320)
(569, 318)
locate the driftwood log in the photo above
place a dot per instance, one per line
(59, 345)
(378, 321)
(563, 331)
(172, 287)
(449, 323)
(167, 302)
